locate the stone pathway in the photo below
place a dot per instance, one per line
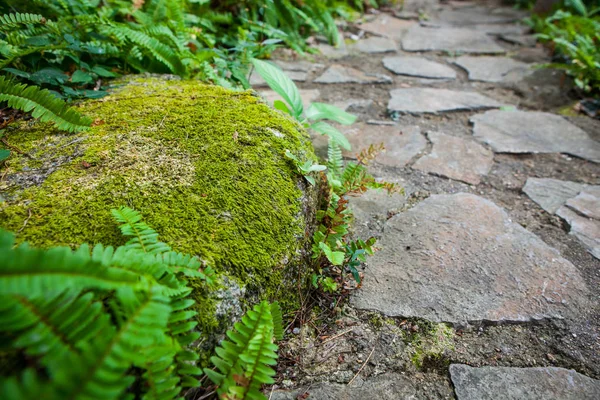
(487, 283)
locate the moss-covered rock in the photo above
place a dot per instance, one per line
(206, 168)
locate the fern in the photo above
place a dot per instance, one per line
(244, 360)
(9, 21)
(43, 105)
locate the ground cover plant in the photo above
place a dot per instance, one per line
(573, 32)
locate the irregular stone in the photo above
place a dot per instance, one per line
(493, 69)
(551, 194)
(387, 26)
(333, 52)
(406, 14)
(300, 65)
(449, 39)
(491, 383)
(339, 74)
(205, 167)
(307, 96)
(456, 158)
(375, 44)
(533, 132)
(488, 29)
(372, 209)
(477, 16)
(459, 258)
(587, 230)
(388, 386)
(587, 203)
(523, 40)
(418, 66)
(355, 105)
(401, 143)
(419, 6)
(431, 100)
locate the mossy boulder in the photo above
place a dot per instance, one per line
(205, 166)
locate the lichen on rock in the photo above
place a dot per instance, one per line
(205, 167)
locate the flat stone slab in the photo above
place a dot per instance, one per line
(459, 258)
(402, 143)
(449, 39)
(387, 26)
(372, 209)
(533, 132)
(494, 383)
(431, 100)
(456, 158)
(375, 44)
(477, 16)
(587, 230)
(340, 74)
(551, 194)
(388, 386)
(520, 39)
(587, 203)
(493, 69)
(418, 66)
(307, 95)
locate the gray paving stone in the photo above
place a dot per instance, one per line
(459, 258)
(456, 158)
(375, 44)
(431, 100)
(449, 39)
(418, 66)
(493, 69)
(533, 132)
(587, 203)
(520, 39)
(340, 74)
(551, 194)
(402, 143)
(388, 386)
(587, 230)
(387, 26)
(509, 383)
(476, 16)
(371, 210)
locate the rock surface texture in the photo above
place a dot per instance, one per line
(522, 383)
(430, 100)
(458, 258)
(450, 40)
(418, 66)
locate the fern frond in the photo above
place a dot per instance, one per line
(143, 238)
(26, 386)
(13, 20)
(277, 321)
(49, 327)
(248, 354)
(34, 272)
(334, 159)
(43, 105)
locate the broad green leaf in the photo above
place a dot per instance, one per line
(318, 111)
(280, 105)
(281, 84)
(338, 137)
(81, 77)
(317, 168)
(334, 257)
(291, 156)
(4, 153)
(103, 72)
(310, 179)
(17, 72)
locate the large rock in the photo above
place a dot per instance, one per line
(551, 194)
(449, 39)
(387, 26)
(205, 167)
(432, 100)
(459, 258)
(465, 16)
(389, 386)
(418, 66)
(533, 132)
(508, 383)
(456, 158)
(376, 44)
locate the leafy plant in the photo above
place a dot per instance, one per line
(244, 361)
(316, 114)
(305, 168)
(100, 322)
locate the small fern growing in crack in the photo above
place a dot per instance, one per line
(244, 361)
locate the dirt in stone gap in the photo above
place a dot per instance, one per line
(337, 343)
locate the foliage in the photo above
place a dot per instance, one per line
(332, 238)
(574, 32)
(244, 361)
(314, 117)
(100, 323)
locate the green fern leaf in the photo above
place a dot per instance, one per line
(13, 20)
(144, 238)
(277, 321)
(43, 105)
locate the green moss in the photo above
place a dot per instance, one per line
(428, 345)
(203, 165)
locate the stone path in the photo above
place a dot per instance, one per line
(487, 283)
